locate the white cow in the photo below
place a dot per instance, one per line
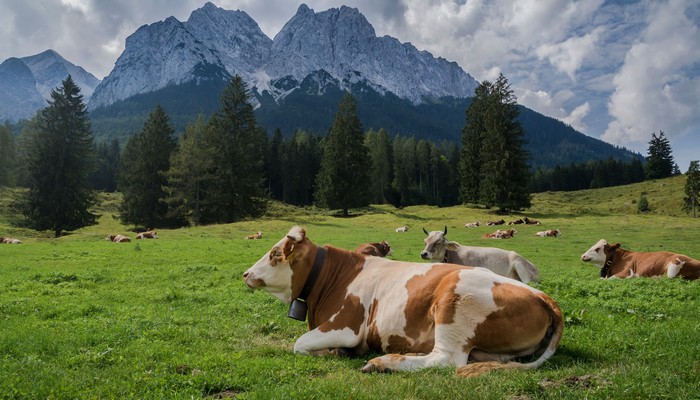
(503, 262)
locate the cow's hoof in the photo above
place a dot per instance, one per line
(372, 367)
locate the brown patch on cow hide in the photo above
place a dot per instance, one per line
(431, 300)
(398, 344)
(330, 297)
(519, 324)
(374, 339)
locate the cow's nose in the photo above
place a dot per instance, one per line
(245, 274)
(584, 258)
(424, 255)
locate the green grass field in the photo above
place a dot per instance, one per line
(170, 318)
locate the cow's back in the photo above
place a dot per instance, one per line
(657, 263)
(503, 262)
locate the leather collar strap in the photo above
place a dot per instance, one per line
(608, 263)
(313, 275)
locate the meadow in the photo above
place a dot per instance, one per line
(170, 318)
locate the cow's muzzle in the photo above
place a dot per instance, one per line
(424, 255)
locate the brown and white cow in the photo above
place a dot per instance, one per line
(472, 224)
(499, 222)
(501, 234)
(549, 233)
(529, 221)
(503, 262)
(379, 249)
(402, 229)
(418, 314)
(118, 238)
(615, 262)
(7, 240)
(257, 235)
(516, 222)
(152, 234)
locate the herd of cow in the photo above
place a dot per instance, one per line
(470, 307)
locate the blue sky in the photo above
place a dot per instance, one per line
(614, 70)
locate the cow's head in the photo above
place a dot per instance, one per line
(275, 271)
(436, 244)
(599, 253)
(385, 248)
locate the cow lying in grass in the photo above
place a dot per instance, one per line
(118, 238)
(7, 240)
(421, 314)
(615, 262)
(503, 262)
(379, 249)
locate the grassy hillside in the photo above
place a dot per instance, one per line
(81, 317)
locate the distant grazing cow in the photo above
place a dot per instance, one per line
(529, 221)
(255, 236)
(516, 222)
(501, 234)
(402, 229)
(615, 262)
(118, 238)
(503, 262)
(421, 314)
(379, 249)
(9, 240)
(472, 224)
(147, 235)
(492, 223)
(549, 233)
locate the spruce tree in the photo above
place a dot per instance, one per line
(660, 159)
(60, 157)
(504, 175)
(8, 155)
(105, 177)
(236, 189)
(190, 169)
(691, 201)
(470, 154)
(380, 152)
(342, 182)
(145, 160)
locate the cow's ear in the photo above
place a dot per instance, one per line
(288, 247)
(452, 245)
(615, 246)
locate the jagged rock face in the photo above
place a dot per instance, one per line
(50, 69)
(26, 83)
(340, 42)
(343, 43)
(233, 36)
(19, 97)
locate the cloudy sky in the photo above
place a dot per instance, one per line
(616, 70)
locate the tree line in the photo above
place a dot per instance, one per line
(225, 169)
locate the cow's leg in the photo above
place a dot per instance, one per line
(445, 352)
(316, 342)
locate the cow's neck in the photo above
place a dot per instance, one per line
(449, 255)
(327, 296)
(609, 261)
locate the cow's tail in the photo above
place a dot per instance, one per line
(549, 345)
(527, 272)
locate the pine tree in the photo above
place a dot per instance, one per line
(504, 174)
(236, 190)
(60, 156)
(659, 160)
(8, 156)
(691, 201)
(381, 155)
(274, 166)
(108, 157)
(190, 169)
(472, 138)
(145, 161)
(342, 180)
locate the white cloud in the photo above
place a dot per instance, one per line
(568, 56)
(657, 88)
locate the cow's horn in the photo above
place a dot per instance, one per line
(445, 234)
(426, 232)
